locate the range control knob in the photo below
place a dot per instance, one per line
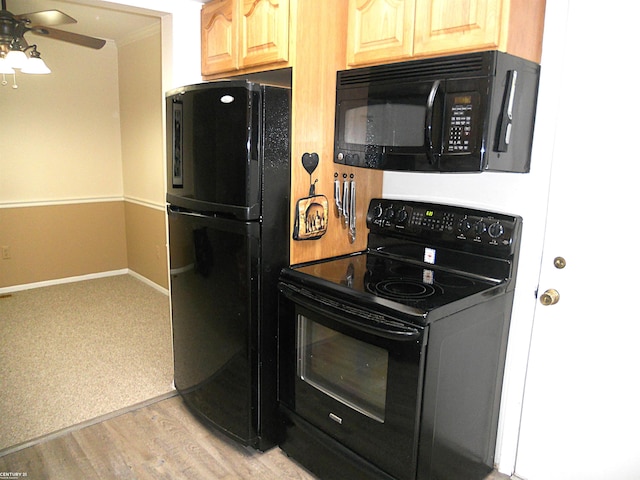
(402, 215)
(479, 228)
(495, 230)
(465, 225)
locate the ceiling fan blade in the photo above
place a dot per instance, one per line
(47, 18)
(76, 38)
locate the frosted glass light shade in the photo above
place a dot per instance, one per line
(16, 58)
(5, 68)
(35, 65)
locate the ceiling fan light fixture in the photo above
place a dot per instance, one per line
(15, 52)
(5, 68)
(35, 65)
(16, 58)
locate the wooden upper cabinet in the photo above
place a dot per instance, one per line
(240, 34)
(379, 29)
(218, 37)
(441, 27)
(264, 33)
(444, 26)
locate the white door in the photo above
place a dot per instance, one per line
(581, 408)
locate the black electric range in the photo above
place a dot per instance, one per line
(391, 359)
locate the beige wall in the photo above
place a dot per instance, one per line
(142, 133)
(141, 116)
(60, 133)
(60, 241)
(146, 242)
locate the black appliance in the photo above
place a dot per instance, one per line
(462, 113)
(392, 359)
(228, 204)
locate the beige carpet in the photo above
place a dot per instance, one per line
(70, 353)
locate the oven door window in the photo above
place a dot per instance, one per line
(348, 370)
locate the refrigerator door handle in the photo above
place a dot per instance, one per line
(247, 213)
(242, 227)
(179, 211)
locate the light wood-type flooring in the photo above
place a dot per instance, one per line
(158, 441)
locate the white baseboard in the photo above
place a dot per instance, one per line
(149, 282)
(79, 278)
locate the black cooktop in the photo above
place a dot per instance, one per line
(420, 257)
(371, 279)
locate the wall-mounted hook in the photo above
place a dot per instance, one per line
(312, 188)
(310, 162)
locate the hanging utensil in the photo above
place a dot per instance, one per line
(345, 200)
(336, 194)
(352, 212)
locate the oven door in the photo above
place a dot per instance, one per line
(355, 375)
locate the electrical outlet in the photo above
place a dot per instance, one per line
(6, 252)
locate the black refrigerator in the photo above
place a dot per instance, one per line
(228, 182)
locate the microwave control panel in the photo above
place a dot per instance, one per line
(461, 123)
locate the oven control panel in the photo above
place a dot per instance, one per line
(437, 223)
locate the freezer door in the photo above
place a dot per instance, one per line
(212, 147)
(214, 299)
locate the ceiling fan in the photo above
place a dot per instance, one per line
(13, 28)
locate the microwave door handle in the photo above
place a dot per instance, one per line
(506, 115)
(428, 131)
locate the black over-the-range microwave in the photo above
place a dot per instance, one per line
(463, 113)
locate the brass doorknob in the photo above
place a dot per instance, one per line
(559, 263)
(550, 297)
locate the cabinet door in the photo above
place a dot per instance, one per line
(218, 37)
(264, 32)
(380, 30)
(447, 26)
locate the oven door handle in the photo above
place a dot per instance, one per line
(382, 328)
